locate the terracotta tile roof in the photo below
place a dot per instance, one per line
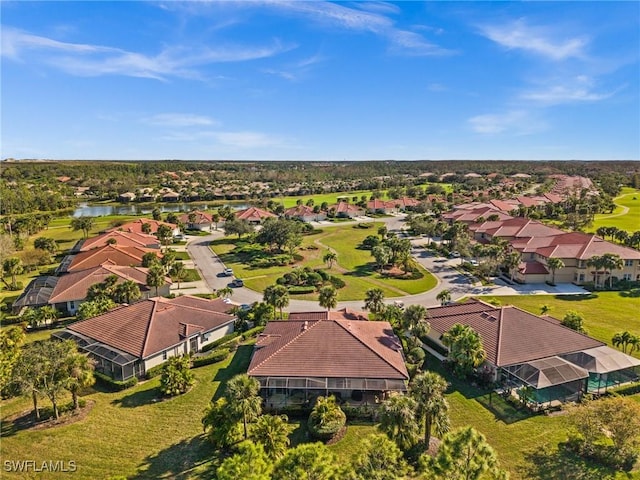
(150, 326)
(299, 211)
(74, 286)
(328, 348)
(346, 207)
(377, 204)
(342, 314)
(122, 239)
(109, 254)
(532, 268)
(511, 335)
(202, 218)
(135, 226)
(581, 246)
(504, 205)
(254, 214)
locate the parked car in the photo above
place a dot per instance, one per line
(454, 255)
(228, 272)
(236, 283)
(399, 303)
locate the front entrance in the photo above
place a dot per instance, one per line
(193, 344)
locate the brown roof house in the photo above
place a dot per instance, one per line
(305, 213)
(323, 353)
(111, 254)
(526, 350)
(129, 340)
(117, 237)
(254, 215)
(346, 210)
(197, 220)
(71, 289)
(136, 226)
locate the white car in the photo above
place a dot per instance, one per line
(228, 272)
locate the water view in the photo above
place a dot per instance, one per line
(93, 210)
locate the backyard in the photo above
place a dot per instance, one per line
(354, 266)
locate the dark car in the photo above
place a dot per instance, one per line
(237, 283)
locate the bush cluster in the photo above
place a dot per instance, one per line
(115, 385)
(214, 357)
(220, 341)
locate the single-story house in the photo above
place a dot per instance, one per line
(527, 350)
(71, 289)
(129, 340)
(112, 254)
(117, 237)
(127, 197)
(346, 210)
(36, 294)
(254, 215)
(305, 213)
(323, 353)
(136, 226)
(170, 197)
(197, 220)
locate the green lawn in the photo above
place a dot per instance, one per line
(605, 313)
(355, 266)
(630, 221)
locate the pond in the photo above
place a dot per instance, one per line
(97, 210)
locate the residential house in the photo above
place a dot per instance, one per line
(119, 238)
(346, 210)
(136, 226)
(127, 197)
(170, 196)
(71, 289)
(197, 220)
(328, 353)
(305, 213)
(129, 340)
(254, 215)
(36, 294)
(112, 254)
(527, 350)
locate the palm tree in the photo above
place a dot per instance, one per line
(596, 262)
(374, 300)
(48, 314)
(512, 261)
(12, 266)
(272, 432)
(444, 297)
(127, 292)
(242, 393)
(382, 254)
(554, 264)
(155, 277)
(328, 297)
(382, 231)
(277, 296)
(622, 339)
(225, 292)
(428, 389)
(330, 258)
(465, 348)
(179, 272)
(398, 420)
(414, 320)
(80, 370)
(610, 262)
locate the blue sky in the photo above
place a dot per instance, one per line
(297, 80)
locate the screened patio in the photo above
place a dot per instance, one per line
(286, 391)
(549, 380)
(607, 367)
(108, 360)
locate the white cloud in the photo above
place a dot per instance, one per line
(179, 120)
(96, 60)
(518, 122)
(536, 39)
(236, 139)
(297, 70)
(576, 90)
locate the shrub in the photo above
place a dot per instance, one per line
(220, 341)
(337, 282)
(326, 419)
(252, 332)
(214, 357)
(177, 377)
(154, 371)
(115, 385)
(323, 274)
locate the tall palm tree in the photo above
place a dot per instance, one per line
(596, 262)
(12, 266)
(428, 389)
(382, 254)
(611, 262)
(328, 297)
(444, 297)
(179, 272)
(155, 277)
(554, 264)
(622, 339)
(80, 370)
(277, 296)
(374, 300)
(127, 292)
(414, 320)
(465, 348)
(398, 420)
(225, 292)
(242, 394)
(511, 262)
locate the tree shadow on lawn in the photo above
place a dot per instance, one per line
(576, 298)
(190, 458)
(239, 364)
(140, 398)
(551, 463)
(366, 270)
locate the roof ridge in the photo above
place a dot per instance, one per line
(339, 322)
(499, 339)
(179, 305)
(295, 337)
(148, 329)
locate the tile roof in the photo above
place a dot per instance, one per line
(581, 246)
(346, 207)
(334, 348)
(111, 254)
(511, 335)
(532, 268)
(122, 239)
(202, 218)
(151, 326)
(135, 226)
(254, 214)
(74, 286)
(300, 211)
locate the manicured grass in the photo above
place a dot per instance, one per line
(630, 221)
(192, 275)
(129, 433)
(182, 255)
(355, 266)
(605, 313)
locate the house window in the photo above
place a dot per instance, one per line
(164, 355)
(627, 277)
(72, 305)
(628, 263)
(581, 277)
(580, 263)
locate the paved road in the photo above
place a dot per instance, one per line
(448, 277)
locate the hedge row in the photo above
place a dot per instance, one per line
(252, 332)
(220, 341)
(154, 371)
(115, 385)
(215, 357)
